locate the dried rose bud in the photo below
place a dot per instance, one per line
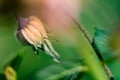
(31, 31)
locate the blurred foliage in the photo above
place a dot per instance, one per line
(59, 72)
(95, 13)
(105, 41)
(101, 40)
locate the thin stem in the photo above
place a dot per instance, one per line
(108, 72)
(98, 53)
(82, 29)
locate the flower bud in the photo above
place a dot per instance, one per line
(31, 31)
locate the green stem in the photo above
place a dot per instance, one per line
(92, 62)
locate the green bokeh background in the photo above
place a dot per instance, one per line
(95, 13)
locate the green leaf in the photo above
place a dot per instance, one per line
(59, 71)
(15, 62)
(101, 42)
(13, 65)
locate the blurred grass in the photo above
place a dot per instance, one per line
(95, 13)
